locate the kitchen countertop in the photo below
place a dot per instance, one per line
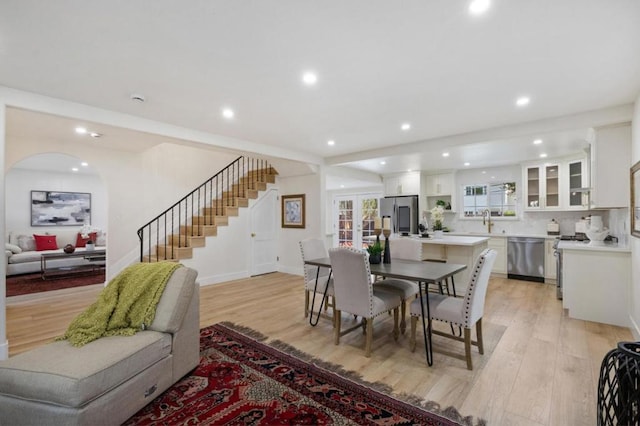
(503, 235)
(581, 245)
(453, 240)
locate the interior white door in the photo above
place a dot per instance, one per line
(264, 224)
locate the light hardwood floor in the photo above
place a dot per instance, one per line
(539, 368)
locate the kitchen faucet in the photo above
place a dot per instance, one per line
(487, 221)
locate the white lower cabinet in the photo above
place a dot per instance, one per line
(499, 244)
(550, 272)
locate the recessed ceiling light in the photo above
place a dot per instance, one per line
(383, 162)
(409, 170)
(537, 142)
(95, 134)
(467, 164)
(341, 186)
(477, 7)
(493, 177)
(81, 130)
(137, 97)
(543, 155)
(309, 78)
(74, 169)
(445, 154)
(405, 126)
(84, 164)
(484, 172)
(228, 113)
(331, 142)
(523, 101)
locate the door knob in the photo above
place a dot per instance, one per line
(253, 234)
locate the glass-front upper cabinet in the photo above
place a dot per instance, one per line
(542, 186)
(578, 185)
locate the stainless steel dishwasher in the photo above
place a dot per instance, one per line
(525, 258)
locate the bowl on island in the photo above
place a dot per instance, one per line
(596, 238)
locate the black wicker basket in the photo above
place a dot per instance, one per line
(619, 386)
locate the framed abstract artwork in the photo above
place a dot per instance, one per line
(635, 200)
(55, 208)
(293, 211)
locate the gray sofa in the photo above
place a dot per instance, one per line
(109, 379)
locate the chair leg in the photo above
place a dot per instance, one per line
(412, 339)
(403, 324)
(479, 336)
(336, 328)
(333, 312)
(306, 303)
(467, 347)
(369, 339)
(396, 331)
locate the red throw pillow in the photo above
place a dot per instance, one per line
(45, 242)
(82, 242)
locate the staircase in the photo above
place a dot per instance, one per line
(183, 227)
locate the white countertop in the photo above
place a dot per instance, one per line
(581, 245)
(453, 240)
(504, 235)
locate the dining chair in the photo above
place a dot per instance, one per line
(462, 312)
(314, 248)
(407, 249)
(356, 295)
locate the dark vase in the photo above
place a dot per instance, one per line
(69, 249)
(374, 258)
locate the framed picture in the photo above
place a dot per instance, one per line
(293, 211)
(54, 208)
(635, 200)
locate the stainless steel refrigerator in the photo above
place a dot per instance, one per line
(403, 211)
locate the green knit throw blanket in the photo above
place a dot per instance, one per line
(125, 306)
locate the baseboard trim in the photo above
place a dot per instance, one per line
(293, 270)
(635, 328)
(216, 279)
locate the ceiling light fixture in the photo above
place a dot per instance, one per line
(81, 130)
(74, 169)
(445, 154)
(537, 142)
(478, 7)
(228, 113)
(137, 97)
(523, 101)
(309, 78)
(84, 164)
(405, 126)
(341, 186)
(95, 134)
(543, 155)
(383, 162)
(467, 164)
(331, 142)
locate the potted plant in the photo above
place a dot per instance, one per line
(375, 253)
(437, 216)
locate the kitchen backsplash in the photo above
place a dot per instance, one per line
(536, 223)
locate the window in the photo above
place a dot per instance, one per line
(498, 198)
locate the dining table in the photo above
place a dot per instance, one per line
(422, 272)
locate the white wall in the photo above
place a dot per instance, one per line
(289, 238)
(20, 183)
(634, 293)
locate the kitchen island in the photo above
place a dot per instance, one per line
(596, 281)
(453, 249)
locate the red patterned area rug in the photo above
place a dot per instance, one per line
(33, 283)
(241, 381)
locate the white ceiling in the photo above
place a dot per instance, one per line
(379, 64)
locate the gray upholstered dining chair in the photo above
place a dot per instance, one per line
(356, 295)
(407, 249)
(314, 248)
(462, 312)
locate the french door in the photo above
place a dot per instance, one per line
(353, 218)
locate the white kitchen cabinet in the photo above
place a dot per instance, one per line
(440, 187)
(596, 285)
(550, 270)
(542, 187)
(403, 184)
(577, 181)
(499, 244)
(610, 162)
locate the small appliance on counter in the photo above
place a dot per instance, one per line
(553, 228)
